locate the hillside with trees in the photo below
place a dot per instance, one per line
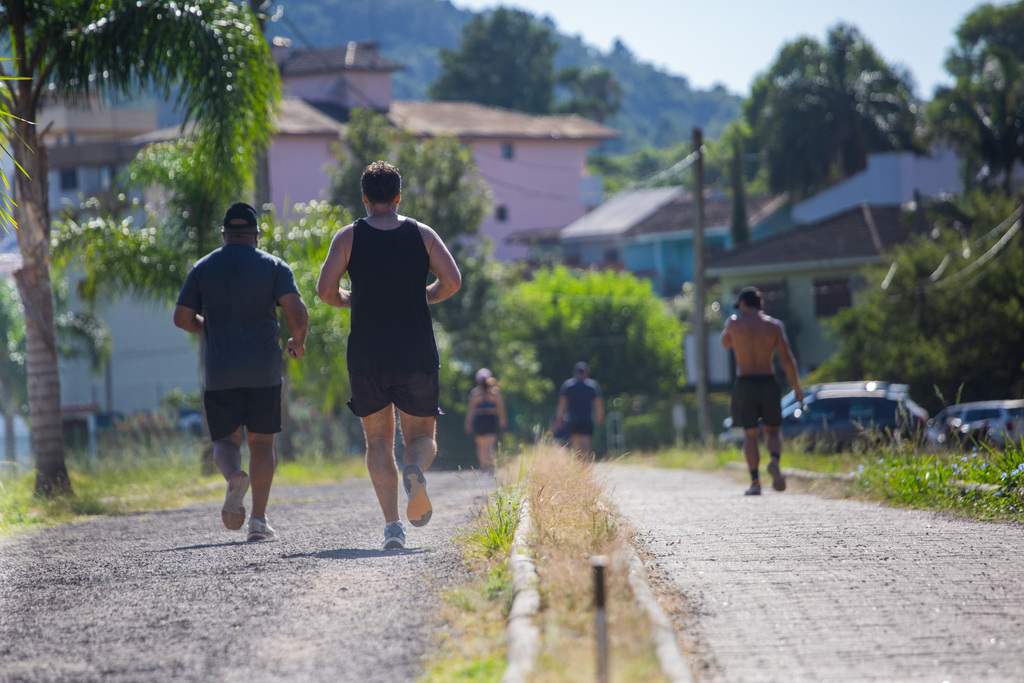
(658, 109)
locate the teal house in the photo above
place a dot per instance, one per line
(649, 232)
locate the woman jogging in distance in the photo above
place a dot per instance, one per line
(485, 416)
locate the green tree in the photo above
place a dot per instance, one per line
(439, 182)
(982, 114)
(321, 376)
(739, 226)
(819, 111)
(226, 83)
(505, 59)
(614, 321)
(594, 92)
(947, 311)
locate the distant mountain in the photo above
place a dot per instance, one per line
(659, 109)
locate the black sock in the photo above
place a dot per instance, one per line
(776, 457)
(753, 475)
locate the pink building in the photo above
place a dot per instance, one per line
(535, 166)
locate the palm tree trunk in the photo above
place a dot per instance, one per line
(34, 285)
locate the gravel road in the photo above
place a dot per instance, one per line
(796, 587)
(173, 595)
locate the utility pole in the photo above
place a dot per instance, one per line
(700, 330)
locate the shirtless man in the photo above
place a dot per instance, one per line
(754, 338)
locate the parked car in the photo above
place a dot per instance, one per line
(836, 414)
(835, 419)
(964, 424)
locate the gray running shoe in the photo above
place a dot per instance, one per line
(259, 530)
(778, 481)
(754, 490)
(418, 510)
(394, 536)
(232, 513)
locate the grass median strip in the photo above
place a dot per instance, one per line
(572, 521)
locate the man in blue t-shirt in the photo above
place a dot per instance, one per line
(580, 408)
(230, 297)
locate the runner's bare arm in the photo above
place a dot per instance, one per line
(727, 333)
(598, 410)
(470, 412)
(297, 317)
(188, 319)
(442, 265)
(788, 360)
(563, 404)
(328, 286)
(502, 415)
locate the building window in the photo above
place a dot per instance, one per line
(507, 151)
(611, 255)
(69, 179)
(831, 296)
(501, 213)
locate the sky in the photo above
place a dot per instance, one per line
(729, 42)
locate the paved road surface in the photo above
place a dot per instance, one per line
(794, 587)
(174, 596)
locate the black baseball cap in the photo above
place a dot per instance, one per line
(581, 367)
(238, 212)
(751, 296)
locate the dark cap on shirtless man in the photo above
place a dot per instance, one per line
(751, 296)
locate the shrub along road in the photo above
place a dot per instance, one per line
(173, 595)
(790, 586)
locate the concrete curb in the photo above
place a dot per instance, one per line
(522, 634)
(672, 662)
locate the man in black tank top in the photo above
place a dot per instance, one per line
(392, 357)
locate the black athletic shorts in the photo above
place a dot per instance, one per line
(414, 393)
(580, 427)
(756, 397)
(257, 409)
(485, 424)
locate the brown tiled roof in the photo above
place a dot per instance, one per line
(298, 117)
(294, 117)
(860, 233)
(355, 56)
(534, 235)
(471, 120)
(680, 213)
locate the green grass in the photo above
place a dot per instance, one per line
(471, 647)
(123, 480)
(982, 483)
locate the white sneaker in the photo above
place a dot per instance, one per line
(232, 513)
(259, 530)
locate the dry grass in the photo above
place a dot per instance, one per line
(572, 521)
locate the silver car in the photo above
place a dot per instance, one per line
(995, 422)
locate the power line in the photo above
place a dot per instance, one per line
(668, 172)
(974, 270)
